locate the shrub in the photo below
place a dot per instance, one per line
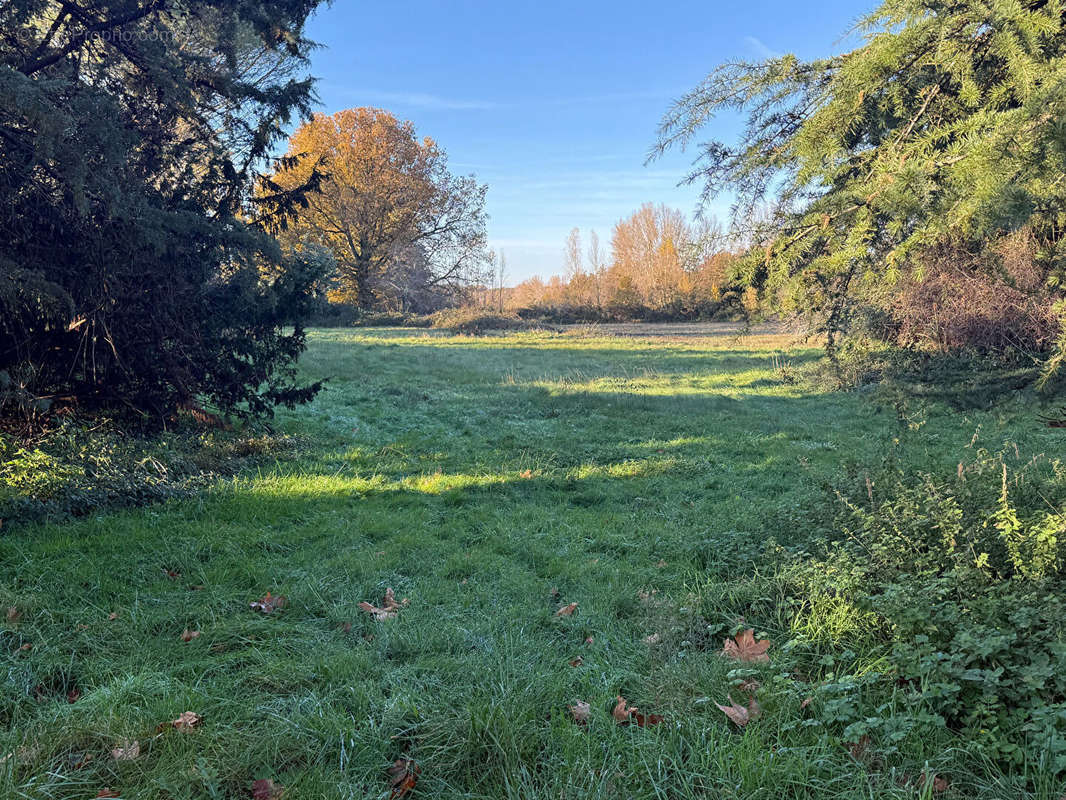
(939, 604)
(477, 320)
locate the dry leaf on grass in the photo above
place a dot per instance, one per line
(858, 749)
(13, 614)
(653, 640)
(622, 711)
(112, 616)
(403, 775)
(127, 751)
(625, 714)
(73, 696)
(185, 722)
(188, 636)
(107, 792)
(580, 711)
(266, 789)
(388, 609)
(269, 603)
(741, 715)
(566, 610)
(576, 662)
(743, 647)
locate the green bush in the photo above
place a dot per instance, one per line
(937, 607)
(74, 469)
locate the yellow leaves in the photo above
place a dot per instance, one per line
(388, 609)
(743, 647)
(741, 715)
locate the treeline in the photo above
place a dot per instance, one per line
(660, 266)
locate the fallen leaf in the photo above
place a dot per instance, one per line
(589, 640)
(127, 751)
(188, 636)
(81, 760)
(661, 564)
(749, 686)
(743, 647)
(577, 662)
(112, 616)
(197, 587)
(73, 695)
(806, 702)
(739, 714)
(106, 792)
(580, 711)
(269, 603)
(939, 784)
(26, 646)
(389, 607)
(622, 711)
(266, 789)
(653, 640)
(858, 749)
(645, 720)
(566, 610)
(173, 574)
(13, 614)
(403, 775)
(186, 721)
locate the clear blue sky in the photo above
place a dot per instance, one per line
(555, 104)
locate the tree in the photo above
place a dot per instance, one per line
(645, 254)
(388, 198)
(942, 128)
(133, 270)
(597, 267)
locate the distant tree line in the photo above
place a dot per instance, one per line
(660, 266)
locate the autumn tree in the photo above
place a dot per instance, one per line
(395, 219)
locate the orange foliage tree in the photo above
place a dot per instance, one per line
(398, 224)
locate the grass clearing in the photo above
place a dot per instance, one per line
(639, 477)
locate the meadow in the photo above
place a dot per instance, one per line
(491, 481)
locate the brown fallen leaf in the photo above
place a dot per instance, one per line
(388, 609)
(806, 702)
(580, 711)
(188, 636)
(26, 646)
(403, 775)
(127, 751)
(937, 783)
(266, 789)
(112, 616)
(576, 662)
(646, 720)
(269, 603)
(13, 614)
(186, 721)
(107, 792)
(622, 711)
(589, 640)
(566, 610)
(739, 714)
(743, 647)
(749, 686)
(173, 574)
(73, 696)
(858, 749)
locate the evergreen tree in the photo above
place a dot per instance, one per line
(134, 269)
(946, 125)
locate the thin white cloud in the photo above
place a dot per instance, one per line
(761, 48)
(423, 100)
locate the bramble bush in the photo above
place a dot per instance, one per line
(936, 606)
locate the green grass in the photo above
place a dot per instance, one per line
(635, 476)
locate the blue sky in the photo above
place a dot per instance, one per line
(555, 104)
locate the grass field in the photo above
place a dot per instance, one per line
(491, 481)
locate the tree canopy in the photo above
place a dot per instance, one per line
(397, 222)
(945, 125)
(134, 271)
